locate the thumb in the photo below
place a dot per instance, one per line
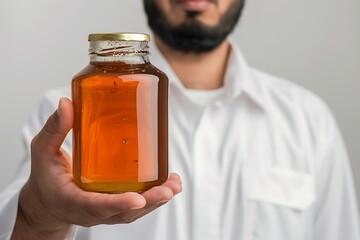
(53, 134)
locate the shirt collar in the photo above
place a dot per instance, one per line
(238, 78)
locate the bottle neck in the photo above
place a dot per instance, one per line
(128, 52)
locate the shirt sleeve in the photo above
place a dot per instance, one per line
(9, 197)
(336, 209)
(9, 202)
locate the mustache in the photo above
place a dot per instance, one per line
(216, 2)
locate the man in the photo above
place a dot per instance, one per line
(259, 157)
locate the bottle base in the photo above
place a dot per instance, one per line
(119, 187)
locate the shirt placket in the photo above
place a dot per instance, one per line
(207, 184)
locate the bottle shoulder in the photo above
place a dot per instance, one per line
(158, 71)
(118, 69)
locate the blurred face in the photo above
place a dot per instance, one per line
(193, 25)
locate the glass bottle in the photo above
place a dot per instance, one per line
(120, 133)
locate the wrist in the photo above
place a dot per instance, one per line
(33, 219)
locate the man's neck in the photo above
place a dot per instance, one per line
(198, 71)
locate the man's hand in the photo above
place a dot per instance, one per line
(51, 203)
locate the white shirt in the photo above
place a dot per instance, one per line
(264, 160)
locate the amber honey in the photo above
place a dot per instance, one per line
(120, 125)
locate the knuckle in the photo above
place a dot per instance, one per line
(51, 125)
(36, 150)
(33, 144)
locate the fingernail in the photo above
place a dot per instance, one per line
(135, 208)
(58, 110)
(164, 201)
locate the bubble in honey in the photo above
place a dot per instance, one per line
(126, 141)
(125, 118)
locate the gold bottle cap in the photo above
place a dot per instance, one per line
(119, 36)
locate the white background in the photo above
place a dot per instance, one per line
(315, 43)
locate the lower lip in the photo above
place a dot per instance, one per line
(194, 5)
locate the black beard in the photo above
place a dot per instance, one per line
(192, 35)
